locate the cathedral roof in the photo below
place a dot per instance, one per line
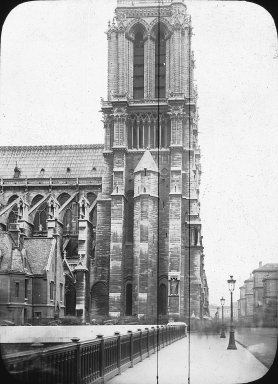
(58, 161)
(147, 162)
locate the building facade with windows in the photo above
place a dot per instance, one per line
(259, 297)
(126, 213)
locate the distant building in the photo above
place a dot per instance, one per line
(258, 296)
(249, 298)
(270, 299)
(216, 311)
(242, 303)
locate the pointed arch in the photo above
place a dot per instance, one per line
(35, 200)
(91, 196)
(160, 23)
(62, 198)
(137, 25)
(12, 198)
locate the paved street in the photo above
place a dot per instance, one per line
(209, 363)
(261, 342)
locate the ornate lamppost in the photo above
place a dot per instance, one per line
(222, 334)
(232, 345)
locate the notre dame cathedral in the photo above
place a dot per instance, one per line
(114, 230)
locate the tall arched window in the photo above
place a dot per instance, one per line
(70, 219)
(160, 63)
(138, 67)
(40, 219)
(91, 196)
(13, 215)
(93, 214)
(71, 214)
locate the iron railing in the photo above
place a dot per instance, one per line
(90, 362)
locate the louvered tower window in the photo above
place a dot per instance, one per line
(138, 69)
(160, 64)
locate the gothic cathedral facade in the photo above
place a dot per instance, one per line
(154, 255)
(114, 230)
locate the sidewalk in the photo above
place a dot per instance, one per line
(210, 363)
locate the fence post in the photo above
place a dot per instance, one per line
(163, 335)
(171, 334)
(101, 357)
(153, 339)
(131, 348)
(158, 338)
(78, 360)
(118, 351)
(140, 344)
(148, 341)
(39, 371)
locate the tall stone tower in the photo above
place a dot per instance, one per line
(149, 255)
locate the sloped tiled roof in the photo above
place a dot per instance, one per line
(11, 259)
(251, 278)
(82, 160)
(5, 251)
(38, 250)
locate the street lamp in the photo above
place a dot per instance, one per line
(232, 345)
(222, 334)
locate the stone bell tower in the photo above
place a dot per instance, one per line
(151, 257)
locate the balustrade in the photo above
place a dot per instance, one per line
(90, 362)
(146, 131)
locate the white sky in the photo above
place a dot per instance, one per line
(54, 71)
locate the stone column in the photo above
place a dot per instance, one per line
(146, 66)
(151, 67)
(168, 67)
(121, 61)
(112, 63)
(177, 58)
(80, 276)
(130, 47)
